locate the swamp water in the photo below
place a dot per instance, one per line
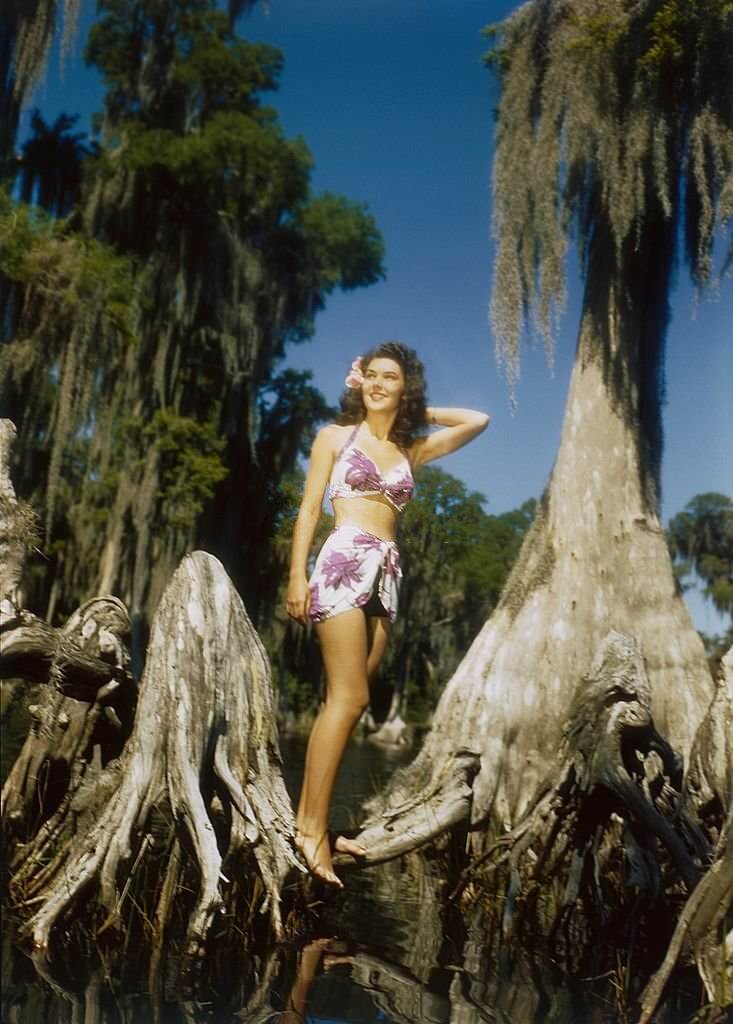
(389, 949)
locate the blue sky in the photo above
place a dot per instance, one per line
(397, 109)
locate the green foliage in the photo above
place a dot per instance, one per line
(700, 540)
(456, 559)
(22, 230)
(676, 26)
(81, 276)
(190, 464)
(342, 240)
(597, 35)
(200, 253)
(498, 57)
(194, 51)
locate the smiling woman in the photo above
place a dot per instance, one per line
(367, 462)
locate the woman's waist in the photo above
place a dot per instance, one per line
(356, 517)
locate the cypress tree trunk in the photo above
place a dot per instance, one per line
(594, 560)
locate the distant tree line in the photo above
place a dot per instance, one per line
(700, 541)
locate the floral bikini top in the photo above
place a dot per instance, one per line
(354, 475)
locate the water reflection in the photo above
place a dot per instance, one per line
(384, 954)
(390, 948)
(365, 769)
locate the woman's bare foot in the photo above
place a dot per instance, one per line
(316, 852)
(341, 844)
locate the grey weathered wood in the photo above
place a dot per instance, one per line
(200, 768)
(391, 831)
(205, 713)
(15, 525)
(699, 925)
(609, 728)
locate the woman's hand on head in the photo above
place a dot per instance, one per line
(298, 600)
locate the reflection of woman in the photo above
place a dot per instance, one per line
(367, 463)
(308, 963)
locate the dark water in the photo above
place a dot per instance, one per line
(364, 770)
(389, 948)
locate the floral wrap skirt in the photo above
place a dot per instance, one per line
(353, 567)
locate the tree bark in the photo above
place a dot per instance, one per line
(12, 548)
(595, 560)
(614, 765)
(204, 751)
(701, 925)
(612, 759)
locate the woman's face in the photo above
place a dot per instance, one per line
(384, 385)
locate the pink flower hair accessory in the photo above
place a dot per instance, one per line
(355, 376)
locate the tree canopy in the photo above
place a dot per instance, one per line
(701, 541)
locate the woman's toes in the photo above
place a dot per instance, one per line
(343, 845)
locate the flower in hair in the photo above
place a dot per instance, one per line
(355, 376)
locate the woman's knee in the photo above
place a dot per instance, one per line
(349, 704)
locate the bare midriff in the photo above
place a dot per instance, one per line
(373, 514)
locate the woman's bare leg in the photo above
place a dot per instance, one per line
(344, 648)
(378, 632)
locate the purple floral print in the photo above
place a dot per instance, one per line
(316, 611)
(368, 541)
(347, 570)
(400, 492)
(363, 474)
(341, 570)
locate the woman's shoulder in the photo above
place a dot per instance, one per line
(333, 435)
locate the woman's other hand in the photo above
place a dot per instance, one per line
(298, 599)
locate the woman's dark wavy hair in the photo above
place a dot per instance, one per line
(410, 421)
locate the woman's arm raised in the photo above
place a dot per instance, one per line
(319, 470)
(459, 427)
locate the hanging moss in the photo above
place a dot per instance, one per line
(619, 116)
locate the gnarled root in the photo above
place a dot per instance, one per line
(706, 917)
(397, 828)
(204, 752)
(615, 778)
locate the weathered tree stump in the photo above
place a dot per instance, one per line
(202, 756)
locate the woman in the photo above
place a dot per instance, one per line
(368, 463)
